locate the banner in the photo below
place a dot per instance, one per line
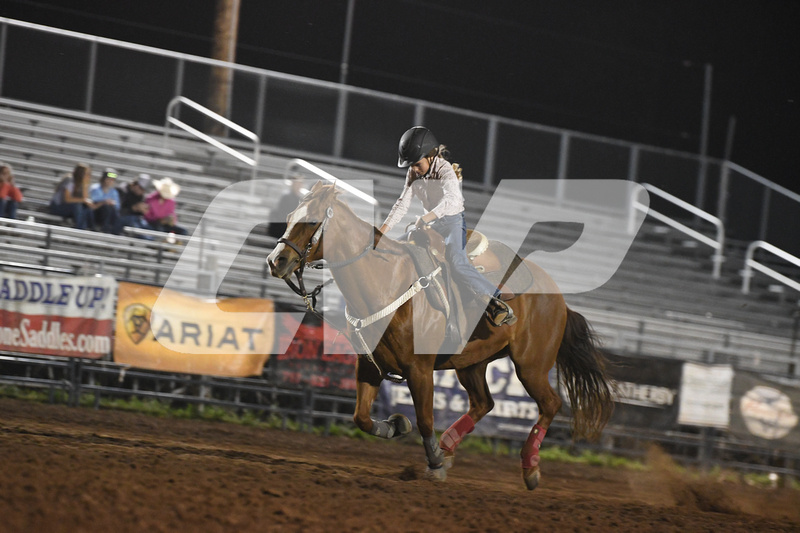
(235, 347)
(304, 362)
(514, 412)
(705, 395)
(765, 412)
(648, 390)
(67, 316)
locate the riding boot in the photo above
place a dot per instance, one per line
(497, 311)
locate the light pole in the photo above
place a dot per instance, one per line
(348, 32)
(704, 126)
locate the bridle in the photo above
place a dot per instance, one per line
(310, 298)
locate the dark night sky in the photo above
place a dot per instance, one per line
(623, 68)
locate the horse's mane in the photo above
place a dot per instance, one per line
(324, 194)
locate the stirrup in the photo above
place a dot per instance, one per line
(500, 313)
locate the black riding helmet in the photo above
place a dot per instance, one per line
(414, 145)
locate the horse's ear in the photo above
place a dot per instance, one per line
(317, 186)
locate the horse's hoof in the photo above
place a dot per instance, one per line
(436, 474)
(401, 423)
(449, 459)
(531, 477)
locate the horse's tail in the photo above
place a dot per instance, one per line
(582, 368)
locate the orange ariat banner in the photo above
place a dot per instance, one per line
(237, 346)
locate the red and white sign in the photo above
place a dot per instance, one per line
(68, 316)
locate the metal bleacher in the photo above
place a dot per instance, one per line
(662, 301)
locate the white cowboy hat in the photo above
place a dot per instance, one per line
(167, 188)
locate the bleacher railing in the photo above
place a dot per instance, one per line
(718, 244)
(174, 108)
(293, 164)
(751, 264)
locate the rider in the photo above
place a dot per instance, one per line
(436, 182)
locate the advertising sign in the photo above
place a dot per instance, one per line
(170, 341)
(765, 412)
(305, 362)
(648, 389)
(705, 395)
(514, 412)
(67, 316)
(647, 396)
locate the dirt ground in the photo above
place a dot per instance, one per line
(78, 469)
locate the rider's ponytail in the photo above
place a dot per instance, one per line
(444, 153)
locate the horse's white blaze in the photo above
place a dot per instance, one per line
(298, 215)
(275, 253)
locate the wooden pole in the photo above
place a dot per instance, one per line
(226, 28)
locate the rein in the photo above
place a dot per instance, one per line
(310, 298)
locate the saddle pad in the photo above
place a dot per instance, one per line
(513, 275)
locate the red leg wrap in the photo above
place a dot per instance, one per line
(530, 451)
(456, 433)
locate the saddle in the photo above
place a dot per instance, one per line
(499, 264)
(496, 261)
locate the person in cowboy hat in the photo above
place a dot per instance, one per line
(132, 206)
(437, 183)
(160, 213)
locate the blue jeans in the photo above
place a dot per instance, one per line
(133, 221)
(454, 230)
(107, 216)
(79, 212)
(8, 208)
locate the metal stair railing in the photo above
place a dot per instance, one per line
(751, 264)
(173, 105)
(717, 244)
(302, 163)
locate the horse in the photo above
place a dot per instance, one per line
(372, 270)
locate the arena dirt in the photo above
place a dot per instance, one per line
(72, 470)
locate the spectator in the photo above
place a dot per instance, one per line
(71, 198)
(105, 198)
(10, 195)
(132, 205)
(286, 204)
(161, 207)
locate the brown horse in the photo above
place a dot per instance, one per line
(372, 271)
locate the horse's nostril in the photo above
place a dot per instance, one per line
(276, 265)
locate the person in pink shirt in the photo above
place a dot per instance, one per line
(10, 195)
(161, 207)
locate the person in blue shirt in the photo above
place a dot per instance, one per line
(105, 197)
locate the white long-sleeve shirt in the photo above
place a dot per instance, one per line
(439, 192)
